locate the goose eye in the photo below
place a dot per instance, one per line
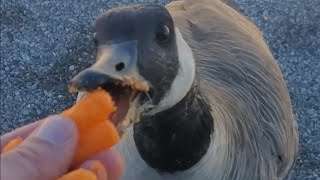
(162, 34)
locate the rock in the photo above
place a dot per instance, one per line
(71, 68)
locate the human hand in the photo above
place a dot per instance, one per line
(47, 152)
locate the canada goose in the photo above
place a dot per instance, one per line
(199, 94)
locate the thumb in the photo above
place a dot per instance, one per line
(45, 155)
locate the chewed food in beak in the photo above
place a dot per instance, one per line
(115, 71)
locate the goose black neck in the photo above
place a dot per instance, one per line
(177, 138)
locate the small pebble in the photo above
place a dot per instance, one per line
(266, 18)
(71, 68)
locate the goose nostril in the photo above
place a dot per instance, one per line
(120, 66)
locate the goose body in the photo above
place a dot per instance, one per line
(226, 113)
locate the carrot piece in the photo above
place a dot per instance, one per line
(79, 174)
(100, 137)
(95, 107)
(12, 144)
(96, 133)
(96, 172)
(99, 170)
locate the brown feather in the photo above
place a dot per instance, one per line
(255, 129)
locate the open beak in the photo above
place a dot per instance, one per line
(116, 71)
(116, 63)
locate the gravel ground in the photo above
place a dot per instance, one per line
(45, 43)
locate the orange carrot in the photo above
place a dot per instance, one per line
(96, 172)
(95, 107)
(79, 174)
(96, 133)
(102, 136)
(99, 170)
(12, 144)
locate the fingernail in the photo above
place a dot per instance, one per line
(56, 130)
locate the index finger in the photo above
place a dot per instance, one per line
(111, 160)
(22, 132)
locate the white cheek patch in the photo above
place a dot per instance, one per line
(184, 79)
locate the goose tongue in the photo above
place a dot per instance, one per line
(122, 104)
(121, 97)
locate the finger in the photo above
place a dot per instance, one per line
(45, 155)
(22, 132)
(112, 162)
(97, 168)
